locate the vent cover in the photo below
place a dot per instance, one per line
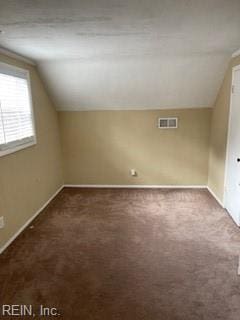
(167, 123)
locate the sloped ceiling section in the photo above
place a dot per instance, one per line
(164, 82)
(129, 54)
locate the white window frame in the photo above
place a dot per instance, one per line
(17, 145)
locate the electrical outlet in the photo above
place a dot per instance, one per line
(133, 172)
(1, 222)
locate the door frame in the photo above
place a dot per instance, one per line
(228, 136)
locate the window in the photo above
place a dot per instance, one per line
(16, 117)
(167, 123)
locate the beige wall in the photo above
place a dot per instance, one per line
(29, 177)
(219, 130)
(100, 147)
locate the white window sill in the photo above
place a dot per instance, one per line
(17, 148)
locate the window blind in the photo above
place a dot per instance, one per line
(16, 122)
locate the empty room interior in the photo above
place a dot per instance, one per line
(120, 159)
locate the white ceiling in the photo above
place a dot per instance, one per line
(108, 54)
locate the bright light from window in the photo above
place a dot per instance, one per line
(16, 121)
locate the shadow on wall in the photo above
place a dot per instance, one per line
(219, 132)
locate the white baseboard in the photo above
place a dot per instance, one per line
(29, 221)
(216, 197)
(130, 186)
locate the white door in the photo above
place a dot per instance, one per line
(232, 187)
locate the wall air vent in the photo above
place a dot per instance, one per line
(167, 123)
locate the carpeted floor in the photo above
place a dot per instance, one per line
(127, 254)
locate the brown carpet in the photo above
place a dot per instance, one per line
(114, 254)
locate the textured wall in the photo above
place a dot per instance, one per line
(219, 131)
(101, 147)
(29, 177)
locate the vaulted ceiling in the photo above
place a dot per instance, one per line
(129, 54)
